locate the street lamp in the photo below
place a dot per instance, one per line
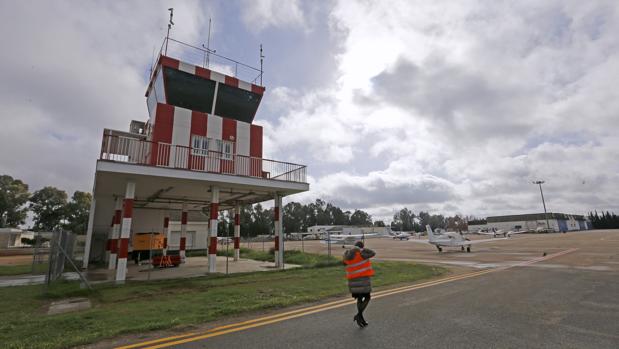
(543, 202)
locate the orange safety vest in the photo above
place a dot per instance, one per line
(358, 267)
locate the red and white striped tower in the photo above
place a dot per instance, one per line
(212, 246)
(166, 234)
(237, 232)
(113, 243)
(183, 233)
(125, 233)
(277, 221)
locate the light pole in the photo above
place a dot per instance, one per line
(543, 202)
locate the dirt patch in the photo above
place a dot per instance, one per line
(16, 260)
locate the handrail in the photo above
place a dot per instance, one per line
(119, 148)
(202, 57)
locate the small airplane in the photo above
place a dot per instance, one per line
(451, 239)
(224, 240)
(345, 240)
(400, 235)
(498, 232)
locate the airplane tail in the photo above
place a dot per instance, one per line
(430, 233)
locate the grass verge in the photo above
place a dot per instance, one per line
(146, 306)
(21, 269)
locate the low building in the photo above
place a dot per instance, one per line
(323, 230)
(9, 237)
(535, 221)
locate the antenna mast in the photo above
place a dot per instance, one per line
(261, 59)
(170, 24)
(207, 54)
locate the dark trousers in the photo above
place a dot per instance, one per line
(362, 302)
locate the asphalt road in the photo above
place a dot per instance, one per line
(568, 300)
(520, 307)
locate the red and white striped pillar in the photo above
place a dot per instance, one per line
(125, 233)
(277, 221)
(166, 234)
(109, 240)
(183, 233)
(237, 232)
(113, 242)
(212, 246)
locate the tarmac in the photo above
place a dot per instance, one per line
(534, 291)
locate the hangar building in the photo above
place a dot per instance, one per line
(533, 221)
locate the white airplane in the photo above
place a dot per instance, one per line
(451, 239)
(400, 235)
(345, 240)
(499, 232)
(224, 240)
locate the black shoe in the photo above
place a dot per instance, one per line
(358, 321)
(365, 323)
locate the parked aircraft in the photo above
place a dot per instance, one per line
(346, 240)
(451, 239)
(400, 235)
(500, 232)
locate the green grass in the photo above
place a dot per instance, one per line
(21, 269)
(146, 306)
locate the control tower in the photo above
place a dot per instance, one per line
(198, 153)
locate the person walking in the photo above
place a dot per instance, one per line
(358, 272)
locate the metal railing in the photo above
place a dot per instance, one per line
(138, 151)
(207, 58)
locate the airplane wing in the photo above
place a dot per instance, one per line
(418, 241)
(356, 236)
(473, 242)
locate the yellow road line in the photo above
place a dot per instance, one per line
(137, 345)
(262, 321)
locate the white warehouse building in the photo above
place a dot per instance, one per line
(533, 221)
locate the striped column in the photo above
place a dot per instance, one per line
(166, 234)
(183, 233)
(109, 240)
(237, 232)
(212, 246)
(277, 221)
(113, 242)
(125, 233)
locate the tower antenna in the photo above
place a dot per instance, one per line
(261, 59)
(208, 46)
(170, 24)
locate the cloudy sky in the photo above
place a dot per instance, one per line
(447, 106)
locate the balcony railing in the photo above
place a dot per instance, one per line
(138, 151)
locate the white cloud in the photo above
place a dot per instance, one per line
(479, 97)
(261, 14)
(445, 106)
(70, 69)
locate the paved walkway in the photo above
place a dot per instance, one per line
(193, 267)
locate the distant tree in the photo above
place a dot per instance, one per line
(337, 216)
(360, 218)
(606, 220)
(456, 223)
(379, 223)
(246, 220)
(262, 220)
(76, 212)
(13, 198)
(49, 208)
(293, 218)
